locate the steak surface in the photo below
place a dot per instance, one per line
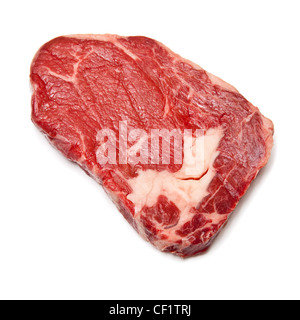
(174, 146)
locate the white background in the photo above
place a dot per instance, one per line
(62, 238)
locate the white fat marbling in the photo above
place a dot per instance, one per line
(186, 187)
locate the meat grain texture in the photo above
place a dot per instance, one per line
(85, 83)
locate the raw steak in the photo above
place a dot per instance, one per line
(86, 86)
